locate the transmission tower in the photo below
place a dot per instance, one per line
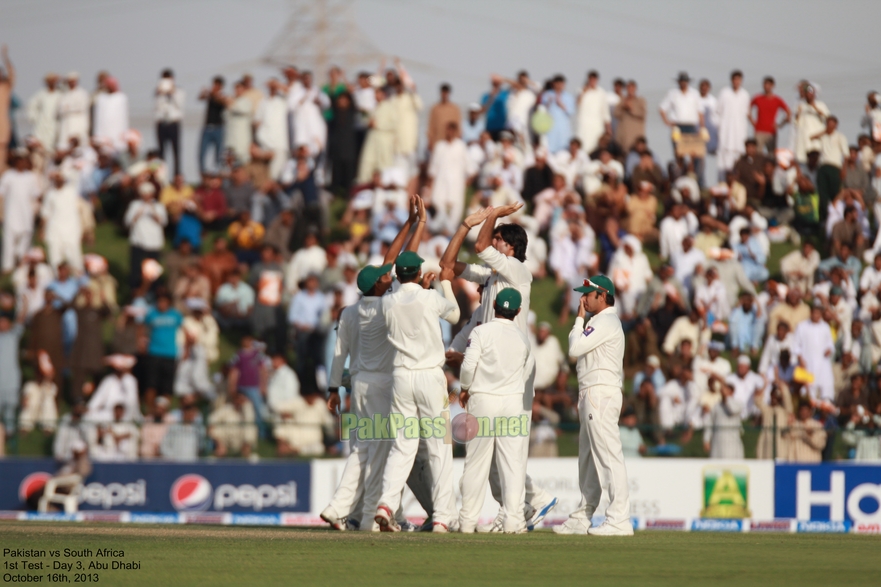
(321, 33)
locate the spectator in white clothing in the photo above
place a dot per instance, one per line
(145, 219)
(283, 386)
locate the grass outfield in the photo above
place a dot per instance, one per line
(214, 556)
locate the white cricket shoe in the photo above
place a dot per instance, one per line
(540, 514)
(440, 527)
(386, 520)
(330, 516)
(609, 530)
(498, 525)
(573, 526)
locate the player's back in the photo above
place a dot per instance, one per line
(504, 357)
(411, 315)
(370, 349)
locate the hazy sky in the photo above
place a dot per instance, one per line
(832, 44)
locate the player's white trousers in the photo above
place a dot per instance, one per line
(507, 446)
(420, 394)
(371, 394)
(600, 458)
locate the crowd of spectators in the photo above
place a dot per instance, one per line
(302, 185)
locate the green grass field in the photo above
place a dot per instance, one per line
(215, 556)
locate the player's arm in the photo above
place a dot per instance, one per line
(340, 353)
(485, 236)
(421, 218)
(451, 254)
(583, 340)
(469, 366)
(456, 353)
(449, 306)
(529, 370)
(395, 248)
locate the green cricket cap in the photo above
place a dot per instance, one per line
(408, 263)
(368, 276)
(509, 299)
(597, 282)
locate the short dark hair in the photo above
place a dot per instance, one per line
(736, 73)
(506, 313)
(218, 79)
(768, 79)
(833, 117)
(610, 299)
(749, 142)
(515, 236)
(406, 277)
(167, 73)
(445, 87)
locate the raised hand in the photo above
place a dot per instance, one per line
(420, 208)
(503, 211)
(427, 279)
(473, 220)
(414, 207)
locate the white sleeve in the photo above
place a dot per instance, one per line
(507, 267)
(340, 351)
(476, 273)
(459, 343)
(469, 363)
(449, 312)
(583, 339)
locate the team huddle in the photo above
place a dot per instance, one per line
(395, 351)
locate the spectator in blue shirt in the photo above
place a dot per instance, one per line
(495, 106)
(474, 125)
(745, 326)
(305, 314)
(66, 288)
(752, 257)
(652, 372)
(163, 322)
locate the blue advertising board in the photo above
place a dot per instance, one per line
(835, 492)
(166, 487)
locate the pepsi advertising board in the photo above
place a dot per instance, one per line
(837, 493)
(170, 487)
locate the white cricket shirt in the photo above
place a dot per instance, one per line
(498, 359)
(599, 348)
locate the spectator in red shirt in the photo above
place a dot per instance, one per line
(212, 202)
(765, 123)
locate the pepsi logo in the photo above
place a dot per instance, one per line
(191, 493)
(31, 484)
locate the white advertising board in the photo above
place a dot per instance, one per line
(659, 488)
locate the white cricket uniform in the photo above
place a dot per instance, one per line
(499, 273)
(419, 391)
(599, 350)
(363, 338)
(498, 360)
(535, 495)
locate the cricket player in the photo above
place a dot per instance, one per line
(598, 348)
(503, 249)
(362, 337)
(419, 389)
(498, 360)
